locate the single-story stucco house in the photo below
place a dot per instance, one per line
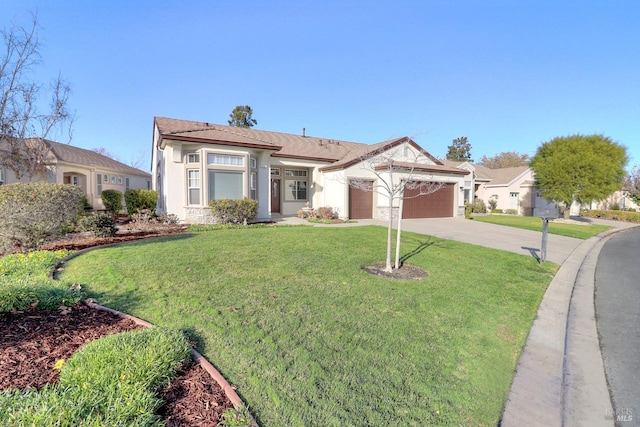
(195, 162)
(92, 172)
(513, 189)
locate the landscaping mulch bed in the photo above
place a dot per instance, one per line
(32, 341)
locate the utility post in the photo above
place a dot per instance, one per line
(545, 214)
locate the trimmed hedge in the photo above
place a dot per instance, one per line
(229, 211)
(112, 200)
(138, 200)
(612, 214)
(36, 212)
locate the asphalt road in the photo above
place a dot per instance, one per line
(617, 305)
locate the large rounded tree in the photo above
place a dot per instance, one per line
(580, 168)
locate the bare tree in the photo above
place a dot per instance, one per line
(632, 184)
(23, 127)
(393, 178)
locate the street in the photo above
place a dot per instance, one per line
(617, 305)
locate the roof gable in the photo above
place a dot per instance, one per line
(75, 155)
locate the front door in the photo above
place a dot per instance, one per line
(275, 196)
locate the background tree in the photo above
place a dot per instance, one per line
(138, 161)
(392, 179)
(23, 127)
(241, 117)
(459, 150)
(632, 184)
(578, 168)
(506, 159)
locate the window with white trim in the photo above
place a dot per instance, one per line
(253, 186)
(99, 182)
(126, 183)
(254, 163)
(224, 159)
(105, 178)
(275, 172)
(295, 172)
(193, 186)
(119, 179)
(193, 158)
(225, 185)
(295, 190)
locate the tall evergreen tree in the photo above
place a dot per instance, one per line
(460, 150)
(241, 117)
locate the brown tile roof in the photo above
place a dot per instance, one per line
(492, 176)
(502, 176)
(75, 155)
(285, 145)
(71, 154)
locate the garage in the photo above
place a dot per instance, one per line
(360, 203)
(438, 204)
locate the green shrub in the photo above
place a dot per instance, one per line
(497, 211)
(100, 224)
(512, 211)
(611, 214)
(229, 211)
(112, 200)
(36, 212)
(137, 200)
(492, 204)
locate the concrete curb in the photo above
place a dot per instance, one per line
(559, 377)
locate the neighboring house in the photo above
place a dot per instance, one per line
(196, 162)
(90, 171)
(512, 188)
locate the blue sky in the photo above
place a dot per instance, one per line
(508, 75)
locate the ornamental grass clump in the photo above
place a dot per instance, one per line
(112, 381)
(25, 282)
(36, 212)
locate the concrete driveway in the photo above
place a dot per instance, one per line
(510, 239)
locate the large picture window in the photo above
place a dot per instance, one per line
(225, 185)
(193, 186)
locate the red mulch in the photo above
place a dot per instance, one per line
(32, 341)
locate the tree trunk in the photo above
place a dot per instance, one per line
(387, 266)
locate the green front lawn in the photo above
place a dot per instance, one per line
(309, 338)
(533, 223)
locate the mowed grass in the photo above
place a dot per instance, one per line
(310, 339)
(533, 223)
